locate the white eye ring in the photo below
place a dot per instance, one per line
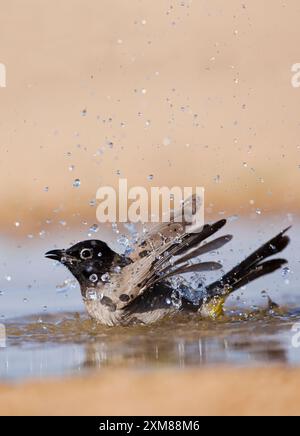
(86, 253)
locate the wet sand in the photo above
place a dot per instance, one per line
(214, 391)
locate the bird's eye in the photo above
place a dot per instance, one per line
(86, 253)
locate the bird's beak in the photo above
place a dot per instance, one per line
(55, 255)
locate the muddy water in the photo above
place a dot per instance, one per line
(70, 344)
(49, 334)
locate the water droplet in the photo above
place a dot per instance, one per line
(71, 167)
(285, 271)
(245, 164)
(150, 177)
(76, 183)
(63, 223)
(83, 112)
(8, 278)
(217, 178)
(46, 189)
(144, 91)
(114, 227)
(94, 228)
(93, 278)
(117, 269)
(17, 224)
(258, 212)
(92, 203)
(91, 295)
(42, 234)
(66, 285)
(105, 278)
(25, 300)
(123, 240)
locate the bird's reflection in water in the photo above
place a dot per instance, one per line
(184, 353)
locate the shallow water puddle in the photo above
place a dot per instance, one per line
(68, 344)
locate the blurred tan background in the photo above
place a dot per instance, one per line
(192, 92)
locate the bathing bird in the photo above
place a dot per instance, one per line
(138, 288)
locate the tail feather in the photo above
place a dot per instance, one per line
(260, 270)
(252, 267)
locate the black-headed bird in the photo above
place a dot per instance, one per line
(138, 289)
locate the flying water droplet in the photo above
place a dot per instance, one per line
(94, 228)
(285, 271)
(91, 295)
(93, 278)
(105, 278)
(76, 183)
(42, 233)
(114, 227)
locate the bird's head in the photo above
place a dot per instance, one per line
(88, 261)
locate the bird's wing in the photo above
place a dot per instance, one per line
(154, 235)
(158, 264)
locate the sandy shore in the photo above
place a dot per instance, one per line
(211, 391)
